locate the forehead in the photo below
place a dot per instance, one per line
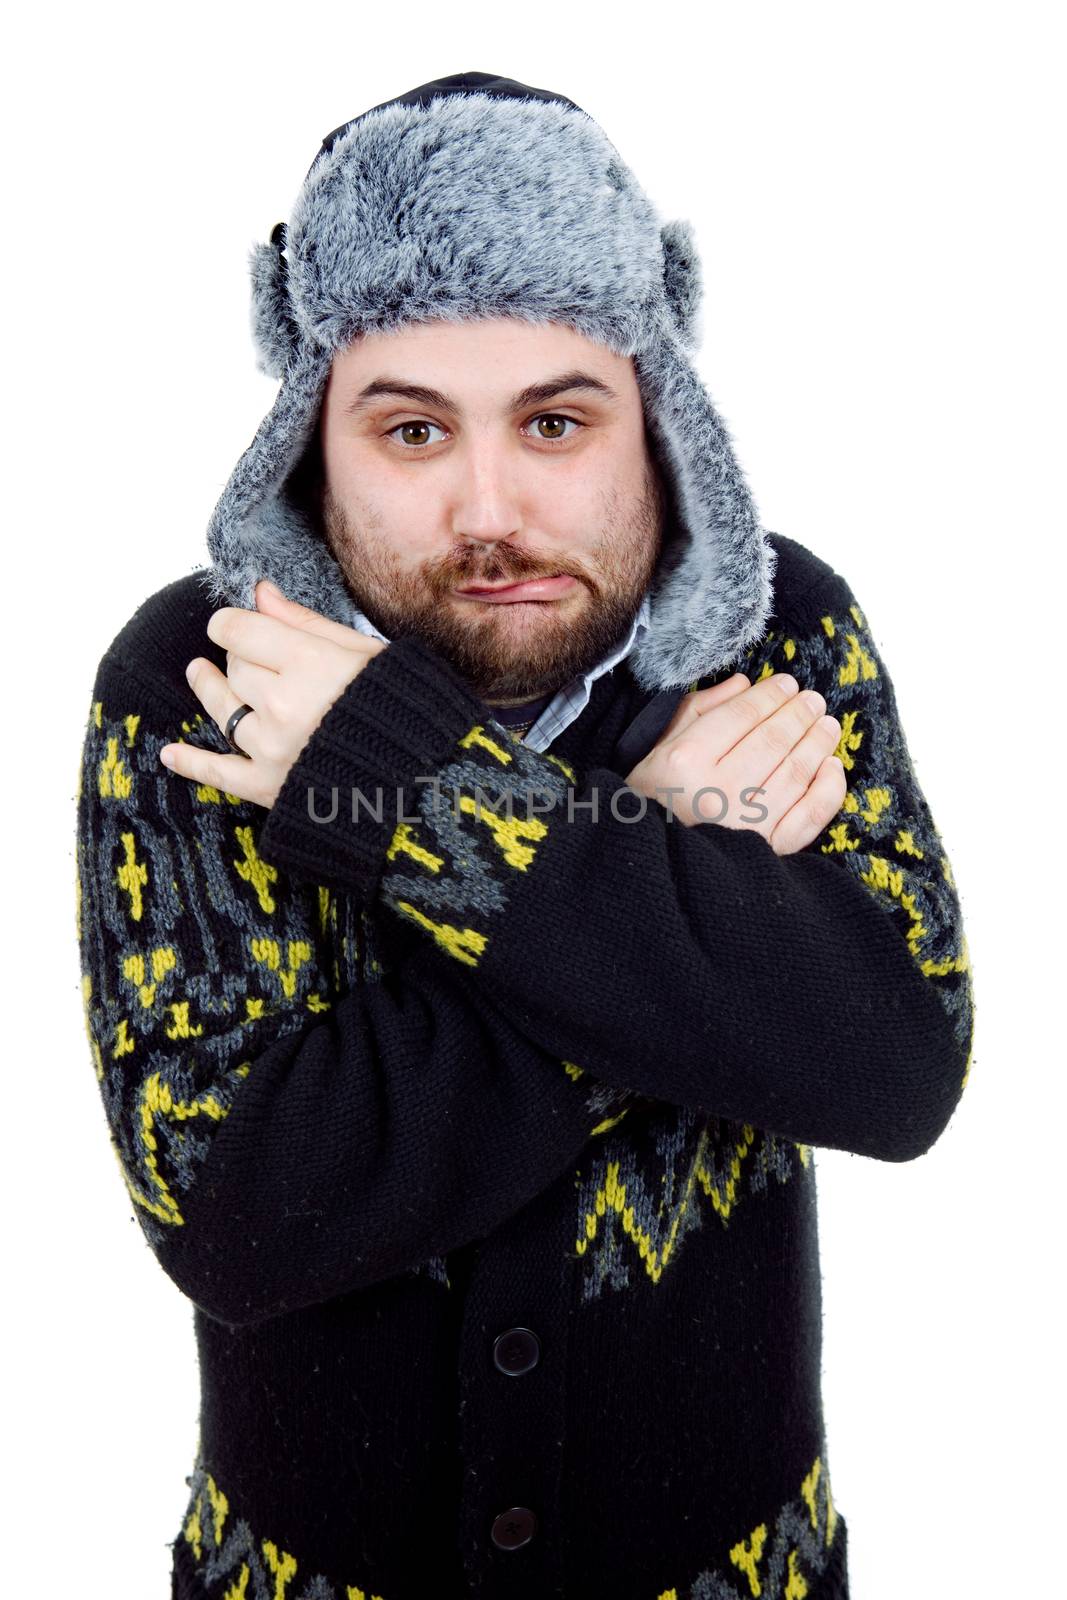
(487, 356)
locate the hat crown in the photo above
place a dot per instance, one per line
(471, 205)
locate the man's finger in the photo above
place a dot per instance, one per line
(213, 689)
(229, 774)
(266, 639)
(697, 701)
(273, 603)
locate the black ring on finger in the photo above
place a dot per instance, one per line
(231, 722)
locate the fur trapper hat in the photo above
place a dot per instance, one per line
(474, 196)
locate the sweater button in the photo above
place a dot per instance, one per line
(516, 1351)
(514, 1528)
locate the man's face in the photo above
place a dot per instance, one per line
(440, 471)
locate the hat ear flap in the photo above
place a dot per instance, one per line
(274, 332)
(683, 283)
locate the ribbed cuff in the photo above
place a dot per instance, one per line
(400, 718)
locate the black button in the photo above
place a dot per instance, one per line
(514, 1528)
(516, 1351)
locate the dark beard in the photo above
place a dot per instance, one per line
(488, 658)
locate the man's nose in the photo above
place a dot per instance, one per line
(486, 507)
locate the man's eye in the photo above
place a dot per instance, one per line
(421, 428)
(552, 416)
(413, 427)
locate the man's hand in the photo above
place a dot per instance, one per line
(737, 736)
(287, 662)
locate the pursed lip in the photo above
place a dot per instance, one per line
(531, 589)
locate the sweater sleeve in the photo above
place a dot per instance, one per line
(294, 1115)
(824, 996)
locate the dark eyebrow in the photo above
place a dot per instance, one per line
(534, 394)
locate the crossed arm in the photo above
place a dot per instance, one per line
(295, 1118)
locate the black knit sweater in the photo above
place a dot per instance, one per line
(483, 1147)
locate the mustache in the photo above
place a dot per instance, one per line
(506, 564)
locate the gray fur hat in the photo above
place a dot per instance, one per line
(475, 196)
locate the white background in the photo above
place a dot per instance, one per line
(876, 193)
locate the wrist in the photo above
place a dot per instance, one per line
(337, 810)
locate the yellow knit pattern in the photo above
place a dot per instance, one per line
(642, 1195)
(884, 833)
(196, 952)
(465, 855)
(776, 1559)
